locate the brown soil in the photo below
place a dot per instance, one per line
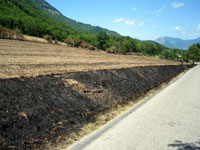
(25, 58)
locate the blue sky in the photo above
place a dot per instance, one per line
(142, 19)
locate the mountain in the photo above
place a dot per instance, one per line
(25, 16)
(177, 42)
(46, 7)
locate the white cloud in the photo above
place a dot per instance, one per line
(129, 22)
(125, 21)
(177, 4)
(198, 27)
(119, 20)
(134, 9)
(140, 24)
(177, 28)
(161, 10)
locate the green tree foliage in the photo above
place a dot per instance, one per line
(153, 48)
(194, 52)
(24, 15)
(128, 46)
(74, 24)
(168, 54)
(102, 40)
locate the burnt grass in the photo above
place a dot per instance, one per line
(38, 110)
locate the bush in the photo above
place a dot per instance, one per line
(84, 44)
(91, 47)
(87, 45)
(5, 33)
(76, 42)
(112, 49)
(56, 42)
(69, 41)
(48, 38)
(9, 34)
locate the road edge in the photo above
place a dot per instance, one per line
(94, 135)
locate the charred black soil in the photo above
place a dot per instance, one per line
(38, 110)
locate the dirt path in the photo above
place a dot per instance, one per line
(23, 58)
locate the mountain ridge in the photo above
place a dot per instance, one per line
(176, 43)
(46, 7)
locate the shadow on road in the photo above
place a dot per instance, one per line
(179, 145)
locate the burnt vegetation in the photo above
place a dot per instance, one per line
(43, 109)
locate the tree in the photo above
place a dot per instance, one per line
(102, 40)
(168, 54)
(194, 52)
(128, 46)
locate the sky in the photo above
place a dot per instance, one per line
(141, 19)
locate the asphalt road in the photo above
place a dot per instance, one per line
(168, 120)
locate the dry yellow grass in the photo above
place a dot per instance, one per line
(35, 39)
(25, 58)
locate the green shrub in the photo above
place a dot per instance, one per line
(48, 38)
(112, 49)
(69, 41)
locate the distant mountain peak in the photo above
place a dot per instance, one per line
(160, 40)
(177, 43)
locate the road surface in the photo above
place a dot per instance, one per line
(168, 120)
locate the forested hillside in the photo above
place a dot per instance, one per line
(76, 25)
(25, 16)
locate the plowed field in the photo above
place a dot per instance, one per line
(25, 58)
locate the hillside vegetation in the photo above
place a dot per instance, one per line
(28, 18)
(76, 25)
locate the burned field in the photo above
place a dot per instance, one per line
(38, 110)
(49, 91)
